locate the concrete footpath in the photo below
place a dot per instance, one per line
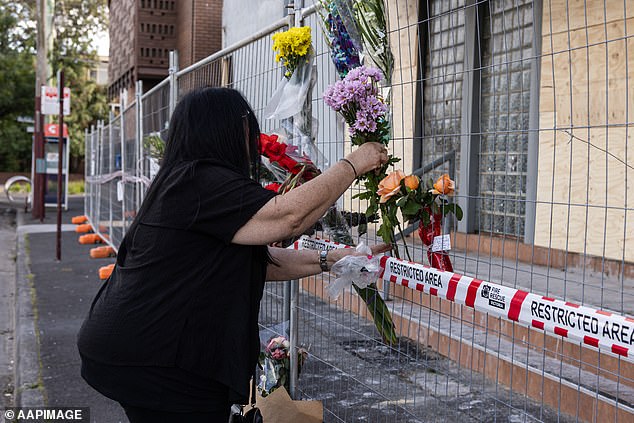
(39, 362)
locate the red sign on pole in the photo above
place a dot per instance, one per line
(52, 130)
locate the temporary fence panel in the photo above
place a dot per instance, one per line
(525, 104)
(468, 99)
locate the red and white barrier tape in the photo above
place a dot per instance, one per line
(597, 328)
(308, 243)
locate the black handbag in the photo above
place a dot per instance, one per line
(253, 415)
(239, 416)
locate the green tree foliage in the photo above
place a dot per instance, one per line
(17, 84)
(76, 24)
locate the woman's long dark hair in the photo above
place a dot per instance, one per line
(213, 123)
(208, 124)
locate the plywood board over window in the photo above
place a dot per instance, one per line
(586, 149)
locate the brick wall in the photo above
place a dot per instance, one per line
(142, 32)
(121, 63)
(207, 28)
(184, 25)
(199, 30)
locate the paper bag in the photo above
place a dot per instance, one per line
(278, 407)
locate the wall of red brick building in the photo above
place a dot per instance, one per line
(142, 32)
(199, 26)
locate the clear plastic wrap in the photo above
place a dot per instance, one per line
(362, 270)
(290, 96)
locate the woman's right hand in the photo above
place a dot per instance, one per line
(289, 215)
(367, 157)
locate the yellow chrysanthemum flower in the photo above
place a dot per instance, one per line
(291, 47)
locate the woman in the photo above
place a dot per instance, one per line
(173, 334)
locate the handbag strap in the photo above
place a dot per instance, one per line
(253, 383)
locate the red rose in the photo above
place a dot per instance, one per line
(274, 186)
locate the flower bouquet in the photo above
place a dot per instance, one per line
(344, 47)
(294, 50)
(429, 204)
(355, 27)
(285, 161)
(358, 100)
(275, 364)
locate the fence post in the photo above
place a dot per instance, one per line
(87, 197)
(97, 143)
(294, 288)
(139, 144)
(122, 164)
(110, 170)
(173, 81)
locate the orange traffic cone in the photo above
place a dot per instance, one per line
(78, 220)
(93, 239)
(102, 252)
(105, 271)
(84, 228)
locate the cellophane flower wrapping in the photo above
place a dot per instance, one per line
(286, 168)
(275, 364)
(290, 95)
(344, 45)
(337, 229)
(361, 270)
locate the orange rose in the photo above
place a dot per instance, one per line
(390, 185)
(444, 185)
(412, 182)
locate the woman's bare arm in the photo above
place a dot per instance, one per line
(293, 264)
(289, 215)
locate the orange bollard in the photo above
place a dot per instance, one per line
(102, 252)
(92, 239)
(105, 271)
(84, 228)
(78, 220)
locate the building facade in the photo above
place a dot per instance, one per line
(143, 32)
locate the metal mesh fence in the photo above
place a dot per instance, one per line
(526, 104)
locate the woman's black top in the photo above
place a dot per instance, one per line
(181, 294)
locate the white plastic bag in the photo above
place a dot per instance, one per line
(362, 270)
(290, 96)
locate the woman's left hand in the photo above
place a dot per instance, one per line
(339, 253)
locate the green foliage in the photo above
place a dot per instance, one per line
(88, 104)
(17, 86)
(76, 187)
(76, 23)
(155, 145)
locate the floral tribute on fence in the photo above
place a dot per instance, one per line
(285, 161)
(358, 97)
(357, 33)
(275, 363)
(428, 204)
(292, 170)
(292, 48)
